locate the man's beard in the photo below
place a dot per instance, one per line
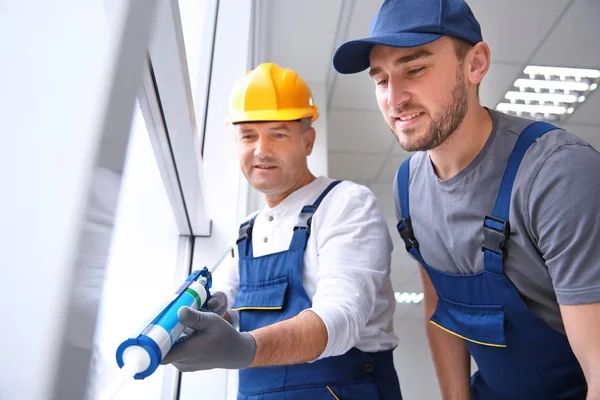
(443, 124)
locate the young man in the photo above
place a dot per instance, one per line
(310, 285)
(502, 214)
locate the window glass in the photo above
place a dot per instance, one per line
(141, 267)
(198, 21)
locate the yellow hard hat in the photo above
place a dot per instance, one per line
(271, 93)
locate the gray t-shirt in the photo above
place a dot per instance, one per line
(554, 245)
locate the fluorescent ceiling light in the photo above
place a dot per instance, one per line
(550, 93)
(564, 72)
(532, 108)
(552, 85)
(543, 97)
(413, 298)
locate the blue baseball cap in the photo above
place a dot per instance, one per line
(409, 23)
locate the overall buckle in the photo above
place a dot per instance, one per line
(496, 232)
(245, 231)
(305, 218)
(407, 234)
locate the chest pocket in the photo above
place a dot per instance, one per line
(262, 295)
(480, 324)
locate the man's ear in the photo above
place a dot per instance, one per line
(478, 62)
(308, 137)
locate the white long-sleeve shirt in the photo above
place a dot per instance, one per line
(346, 263)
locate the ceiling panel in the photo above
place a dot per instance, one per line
(354, 91)
(362, 167)
(574, 41)
(301, 35)
(383, 192)
(589, 111)
(360, 21)
(388, 172)
(508, 27)
(499, 78)
(357, 131)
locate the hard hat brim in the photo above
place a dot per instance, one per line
(290, 114)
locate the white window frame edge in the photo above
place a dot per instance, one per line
(171, 79)
(150, 106)
(203, 83)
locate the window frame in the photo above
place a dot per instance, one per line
(171, 84)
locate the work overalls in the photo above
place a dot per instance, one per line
(518, 355)
(271, 290)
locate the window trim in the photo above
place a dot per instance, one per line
(174, 93)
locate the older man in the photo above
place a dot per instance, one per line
(310, 285)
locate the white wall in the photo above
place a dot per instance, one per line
(318, 160)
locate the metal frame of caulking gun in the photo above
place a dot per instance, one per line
(165, 323)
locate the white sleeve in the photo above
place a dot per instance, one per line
(226, 279)
(354, 254)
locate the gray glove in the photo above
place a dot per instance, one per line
(217, 303)
(213, 344)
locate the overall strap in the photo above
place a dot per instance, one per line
(404, 226)
(244, 241)
(303, 226)
(496, 227)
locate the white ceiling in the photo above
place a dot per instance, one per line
(302, 35)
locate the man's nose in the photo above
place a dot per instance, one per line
(262, 148)
(397, 93)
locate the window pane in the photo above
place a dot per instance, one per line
(141, 265)
(197, 21)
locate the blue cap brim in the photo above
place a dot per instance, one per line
(353, 56)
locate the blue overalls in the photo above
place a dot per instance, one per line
(518, 355)
(270, 291)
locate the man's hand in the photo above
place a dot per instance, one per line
(218, 305)
(214, 343)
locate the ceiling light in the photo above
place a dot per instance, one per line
(409, 298)
(564, 72)
(551, 93)
(552, 85)
(531, 108)
(542, 97)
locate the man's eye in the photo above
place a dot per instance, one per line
(382, 82)
(415, 70)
